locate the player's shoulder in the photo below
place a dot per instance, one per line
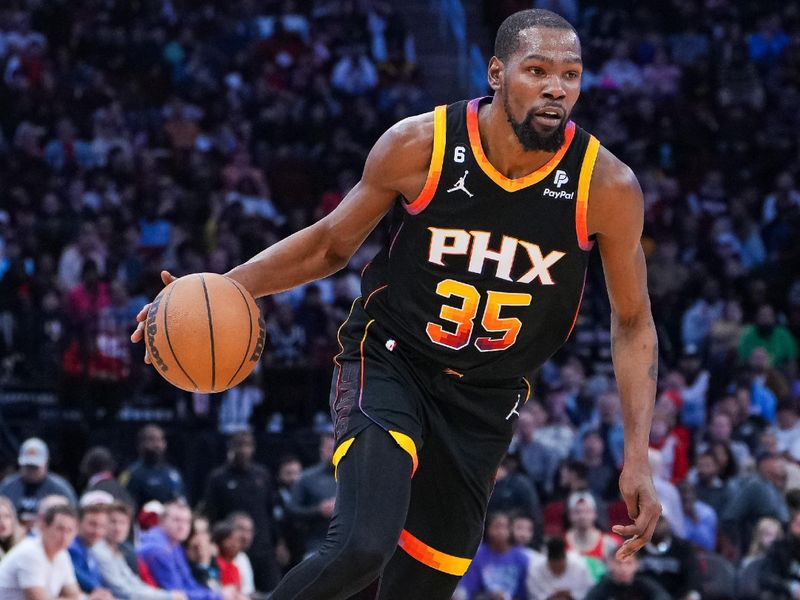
(412, 134)
(611, 175)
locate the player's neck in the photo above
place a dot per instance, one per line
(501, 145)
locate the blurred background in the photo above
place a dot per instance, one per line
(138, 135)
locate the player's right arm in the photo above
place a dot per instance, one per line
(397, 165)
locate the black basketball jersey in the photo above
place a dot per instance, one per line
(485, 274)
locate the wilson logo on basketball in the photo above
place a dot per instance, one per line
(152, 329)
(262, 336)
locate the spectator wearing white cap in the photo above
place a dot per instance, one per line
(583, 535)
(33, 481)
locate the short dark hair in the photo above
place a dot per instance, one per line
(222, 531)
(507, 40)
(121, 507)
(97, 460)
(556, 548)
(91, 509)
(60, 509)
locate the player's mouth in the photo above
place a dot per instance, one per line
(549, 117)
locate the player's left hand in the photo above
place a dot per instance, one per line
(636, 485)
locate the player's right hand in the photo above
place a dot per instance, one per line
(141, 318)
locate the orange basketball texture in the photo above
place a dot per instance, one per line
(204, 333)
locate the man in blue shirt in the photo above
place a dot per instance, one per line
(161, 551)
(92, 527)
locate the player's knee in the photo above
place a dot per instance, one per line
(368, 553)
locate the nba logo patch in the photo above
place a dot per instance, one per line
(390, 345)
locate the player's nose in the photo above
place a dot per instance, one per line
(553, 89)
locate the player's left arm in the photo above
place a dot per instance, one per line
(616, 217)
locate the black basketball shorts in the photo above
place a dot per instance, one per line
(456, 432)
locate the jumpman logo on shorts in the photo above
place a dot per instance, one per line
(514, 410)
(460, 185)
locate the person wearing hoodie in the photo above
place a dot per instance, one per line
(162, 555)
(151, 477)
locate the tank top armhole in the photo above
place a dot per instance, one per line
(437, 160)
(582, 204)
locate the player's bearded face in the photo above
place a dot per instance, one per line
(526, 132)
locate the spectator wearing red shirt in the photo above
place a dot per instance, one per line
(225, 537)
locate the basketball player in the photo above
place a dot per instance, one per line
(502, 199)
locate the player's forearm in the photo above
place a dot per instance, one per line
(634, 347)
(302, 257)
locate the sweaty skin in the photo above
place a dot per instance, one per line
(543, 72)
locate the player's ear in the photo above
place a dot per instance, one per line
(495, 73)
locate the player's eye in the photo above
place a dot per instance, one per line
(536, 70)
(572, 75)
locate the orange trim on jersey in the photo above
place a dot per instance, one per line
(577, 310)
(582, 204)
(449, 371)
(375, 291)
(511, 185)
(528, 395)
(437, 160)
(338, 331)
(446, 563)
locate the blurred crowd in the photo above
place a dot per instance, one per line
(191, 135)
(133, 535)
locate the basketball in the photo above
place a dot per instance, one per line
(204, 333)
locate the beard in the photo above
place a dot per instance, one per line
(531, 139)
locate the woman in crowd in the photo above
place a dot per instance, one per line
(767, 531)
(226, 540)
(10, 531)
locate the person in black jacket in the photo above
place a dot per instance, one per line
(624, 581)
(780, 573)
(243, 485)
(671, 562)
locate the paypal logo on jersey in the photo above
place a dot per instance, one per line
(560, 179)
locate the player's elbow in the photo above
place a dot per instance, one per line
(635, 317)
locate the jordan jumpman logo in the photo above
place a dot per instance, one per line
(460, 185)
(514, 410)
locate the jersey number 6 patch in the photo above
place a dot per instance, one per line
(464, 317)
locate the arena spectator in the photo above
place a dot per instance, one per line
(122, 581)
(228, 544)
(39, 567)
(201, 557)
(767, 531)
(314, 496)
(668, 494)
(244, 527)
(561, 575)
(672, 563)
(539, 462)
(151, 477)
(289, 548)
(33, 481)
(162, 554)
(523, 536)
(708, 485)
(720, 431)
(624, 580)
(513, 492)
(760, 495)
(583, 535)
(498, 569)
(700, 520)
(602, 476)
(98, 466)
(244, 485)
(10, 530)
(92, 528)
(778, 574)
(766, 333)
